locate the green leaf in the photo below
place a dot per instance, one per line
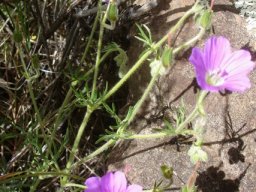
(121, 59)
(144, 35)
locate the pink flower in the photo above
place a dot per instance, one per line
(218, 68)
(110, 182)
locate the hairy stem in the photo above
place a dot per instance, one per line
(190, 42)
(77, 141)
(99, 46)
(98, 151)
(91, 36)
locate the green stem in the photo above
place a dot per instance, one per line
(159, 135)
(91, 35)
(144, 96)
(190, 42)
(76, 142)
(28, 174)
(98, 151)
(75, 185)
(98, 57)
(150, 136)
(106, 55)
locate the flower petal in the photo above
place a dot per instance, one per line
(239, 84)
(215, 51)
(134, 188)
(107, 182)
(197, 57)
(239, 62)
(120, 182)
(93, 184)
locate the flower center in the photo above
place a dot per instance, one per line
(216, 78)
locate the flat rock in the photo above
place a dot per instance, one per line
(230, 136)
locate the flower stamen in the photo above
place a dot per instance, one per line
(215, 78)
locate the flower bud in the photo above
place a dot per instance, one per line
(113, 12)
(167, 56)
(167, 172)
(205, 19)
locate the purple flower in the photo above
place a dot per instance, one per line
(218, 68)
(110, 182)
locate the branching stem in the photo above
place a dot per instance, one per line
(111, 142)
